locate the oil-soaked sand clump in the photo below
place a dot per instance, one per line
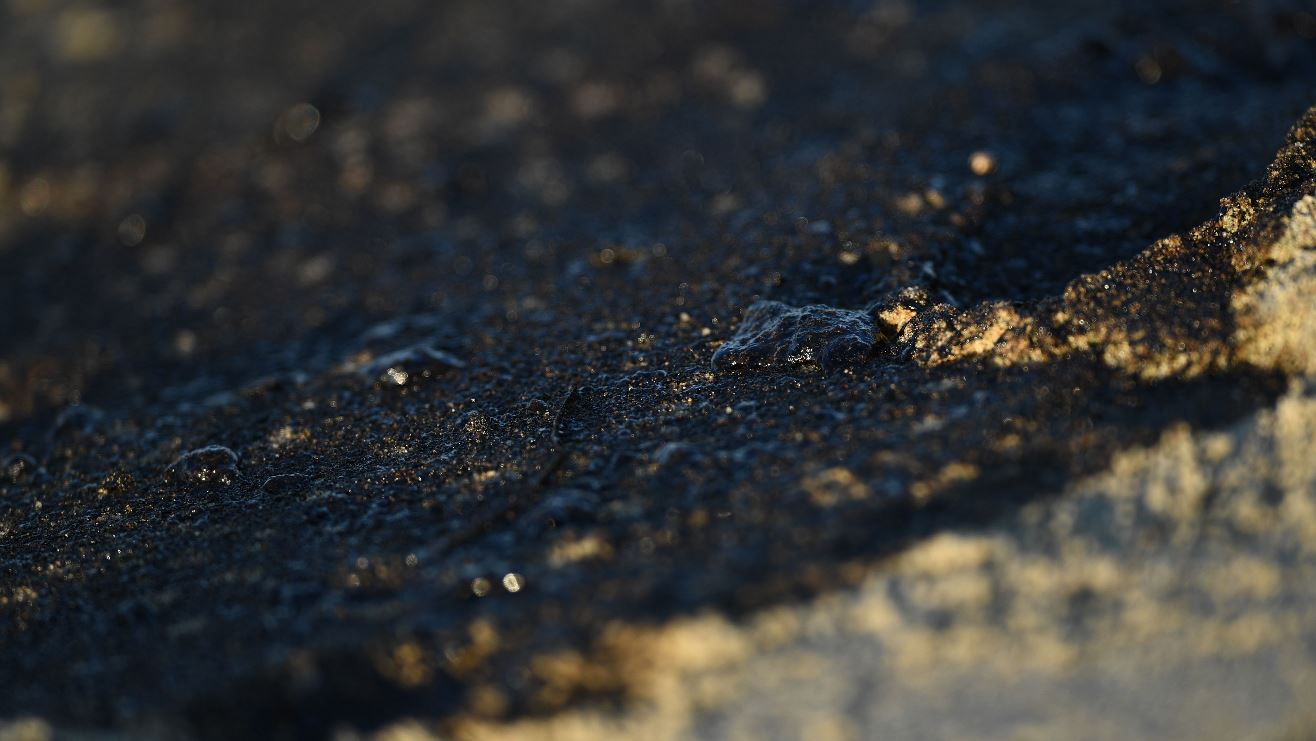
(776, 337)
(485, 477)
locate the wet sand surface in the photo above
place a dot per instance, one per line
(658, 369)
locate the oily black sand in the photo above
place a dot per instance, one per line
(503, 368)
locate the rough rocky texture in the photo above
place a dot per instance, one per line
(778, 338)
(357, 369)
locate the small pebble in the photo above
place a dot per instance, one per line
(406, 365)
(774, 336)
(211, 465)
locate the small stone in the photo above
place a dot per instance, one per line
(406, 365)
(774, 336)
(208, 466)
(894, 311)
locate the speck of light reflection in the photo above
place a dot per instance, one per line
(513, 582)
(480, 586)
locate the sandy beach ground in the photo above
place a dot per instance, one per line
(658, 369)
